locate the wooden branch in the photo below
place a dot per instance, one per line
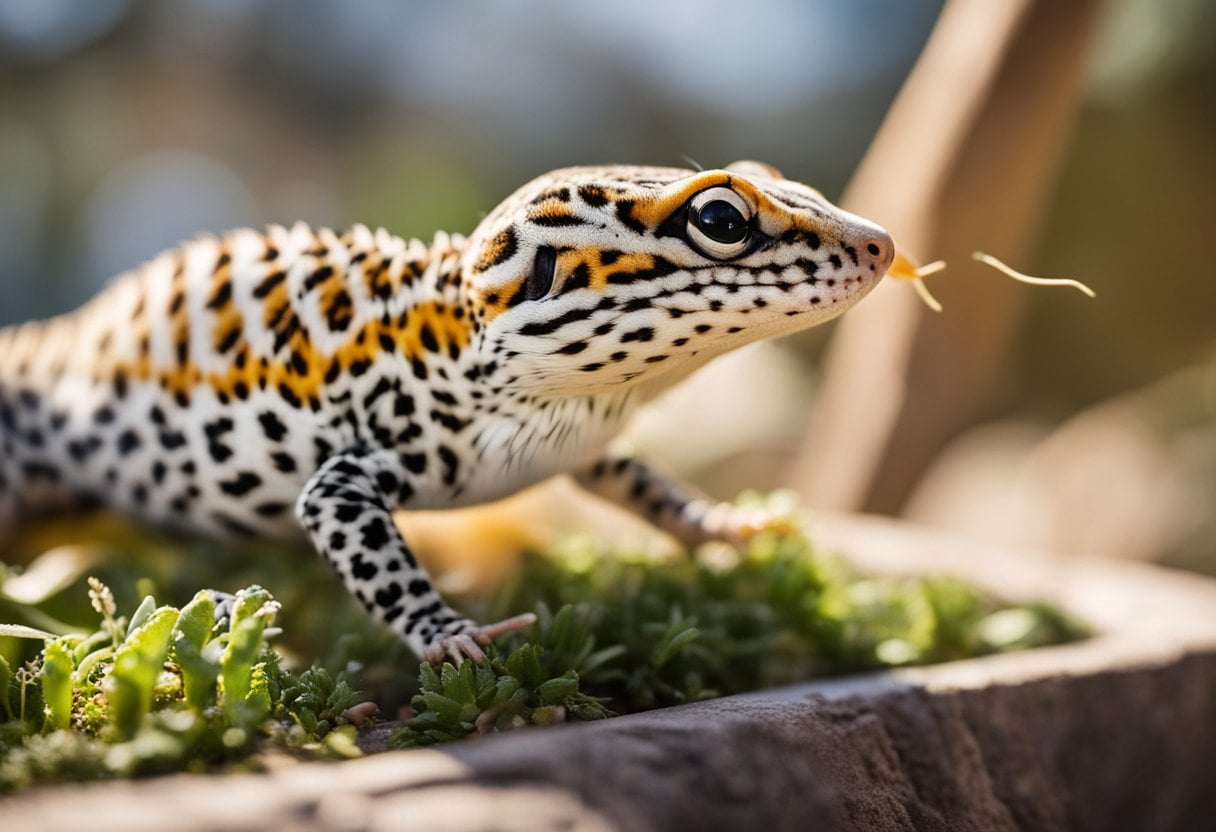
(963, 161)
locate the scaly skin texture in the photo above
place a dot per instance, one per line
(261, 383)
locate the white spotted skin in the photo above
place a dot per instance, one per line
(264, 383)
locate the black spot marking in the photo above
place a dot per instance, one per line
(318, 277)
(272, 426)
(268, 283)
(556, 220)
(389, 595)
(624, 213)
(403, 405)
(340, 312)
(374, 533)
(128, 441)
(348, 512)
(221, 295)
(241, 484)
(580, 278)
(428, 339)
(81, 449)
(449, 421)
(451, 464)
(382, 386)
(229, 340)
(573, 348)
(661, 268)
(551, 325)
(593, 196)
(362, 569)
(387, 482)
(170, 440)
(560, 194)
(288, 395)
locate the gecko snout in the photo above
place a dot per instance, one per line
(878, 247)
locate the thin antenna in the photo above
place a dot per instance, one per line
(693, 162)
(1026, 278)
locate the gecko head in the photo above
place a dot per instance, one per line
(587, 279)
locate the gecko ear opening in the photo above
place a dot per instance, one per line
(540, 280)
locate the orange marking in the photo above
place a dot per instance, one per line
(568, 261)
(494, 249)
(303, 368)
(652, 212)
(493, 302)
(551, 209)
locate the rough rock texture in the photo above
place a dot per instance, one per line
(1114, 733)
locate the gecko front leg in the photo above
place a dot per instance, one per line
(673, 506)
(345, 507)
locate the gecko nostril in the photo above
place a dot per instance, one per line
(881, 248)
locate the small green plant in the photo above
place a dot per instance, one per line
(536, 683)
(162, 690)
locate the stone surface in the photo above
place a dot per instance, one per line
(1117, 732)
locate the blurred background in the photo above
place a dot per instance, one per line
(128, 126)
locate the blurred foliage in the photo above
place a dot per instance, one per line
(166, 688)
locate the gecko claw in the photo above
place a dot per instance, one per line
(467, 644)
(738, 526)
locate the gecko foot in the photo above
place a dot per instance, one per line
(468, 642)
(737, 525)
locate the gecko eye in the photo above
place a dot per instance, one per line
(719, 223)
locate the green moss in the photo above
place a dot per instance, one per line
(167, 689)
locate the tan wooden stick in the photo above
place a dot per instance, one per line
(962, 162)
